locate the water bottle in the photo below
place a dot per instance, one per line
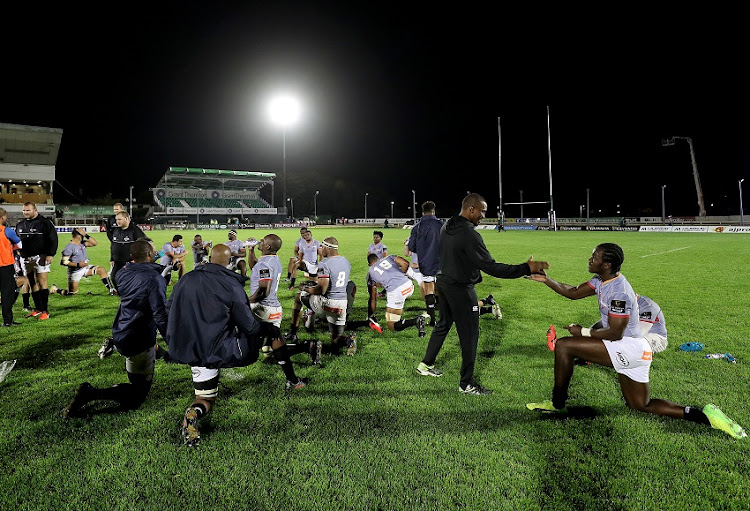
(715, 355)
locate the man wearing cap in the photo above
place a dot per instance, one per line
(238, 253)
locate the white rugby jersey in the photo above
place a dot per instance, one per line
(377, 249)
(617, 299)
(268, 267)
(77, 253)
(650, 312)
(387, 273)
(309, 250)
(337, 269)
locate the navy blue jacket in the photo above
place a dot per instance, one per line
(143, 308)
(425, 241)
(210, 322)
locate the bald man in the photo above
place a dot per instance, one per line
(211, 326)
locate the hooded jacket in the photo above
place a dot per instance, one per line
(210, 320)
(463, 255)
(142, 309)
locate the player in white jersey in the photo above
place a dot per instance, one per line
(237, 247)
(76, 260)
(653, 325)
(377, 246)
(327, 297)
(173, 258)
(307, 251)
(619, 344)
(265, 274)
(293, 259)
(390, 272)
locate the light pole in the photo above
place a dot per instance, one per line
(291, 203)
(698, 190)
(131, 202)
(391, 210)
(366, 194)
(587, 206)
(315, 202)
(580, 211)
(663, 208)
(284, 111)
(414, 204)
(742, 214)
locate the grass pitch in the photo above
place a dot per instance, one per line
(368, 433)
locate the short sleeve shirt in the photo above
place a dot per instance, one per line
(377, 249)
(650, 312)
(337, 269)
(268, 267)
(617, 299)
(387, 273)
(77, 253)
(309, 250)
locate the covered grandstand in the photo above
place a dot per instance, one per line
(204, 195)
(28, 155)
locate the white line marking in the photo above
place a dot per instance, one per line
(667, 252)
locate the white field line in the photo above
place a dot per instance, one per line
(667, 252)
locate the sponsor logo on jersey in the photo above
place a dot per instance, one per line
(617, 306)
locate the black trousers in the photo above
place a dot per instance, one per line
(458, 304)
(8, 291)
(115, 268)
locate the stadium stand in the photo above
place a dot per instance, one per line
(28, 155)
(214, 194)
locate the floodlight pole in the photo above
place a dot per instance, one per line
(520, 193)
(366, 194)
(131, 202)
(391, 210)
(414, 204)
(291, 203)
(663, 207)
(283, 161)
(315, 202)
(698, 190)
(587, 206)
(742, 214)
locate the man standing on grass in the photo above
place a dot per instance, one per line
(142, 311)
(463, 255)
(9, 282)
(39, 237)
(424, 244)
(618, 343)
(211, 327)
(123, 236)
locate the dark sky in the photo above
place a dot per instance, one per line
(394, 99)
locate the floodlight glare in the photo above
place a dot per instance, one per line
(284, 110)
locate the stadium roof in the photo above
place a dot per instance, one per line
(31, 145)
(177, 177)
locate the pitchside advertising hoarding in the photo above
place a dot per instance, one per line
(717, 229)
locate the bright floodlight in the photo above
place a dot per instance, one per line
(284, 110)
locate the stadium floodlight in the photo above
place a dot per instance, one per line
(131, 201)
(366, 194)
(414, 204)
(663, 208)
(315, 204)
(742, 214)
(291, 203)
(665, 142)
(284, 111)
(391, 210)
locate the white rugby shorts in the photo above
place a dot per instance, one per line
(76, 274)
(267, 314)
(631, 356)
(397, 298)
(333, 310)
(34, 264)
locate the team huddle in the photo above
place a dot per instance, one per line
(210, 322)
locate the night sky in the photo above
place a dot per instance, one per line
(395, 99)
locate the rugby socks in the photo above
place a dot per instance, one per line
(200, 409)
(44, 295)
(26, 297)
(431, 302)
(696, 415)
(107, 283)
(38, 305)
(353, 325)
(404, 323)
(291, 282)
(282, 357)
(559, 397)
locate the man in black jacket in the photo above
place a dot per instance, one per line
(424, 240)
(462, 256)
(123, 236)
(142, 311)
(39, 237)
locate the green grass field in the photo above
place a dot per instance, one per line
(368, 433)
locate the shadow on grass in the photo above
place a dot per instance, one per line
(44, 353)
